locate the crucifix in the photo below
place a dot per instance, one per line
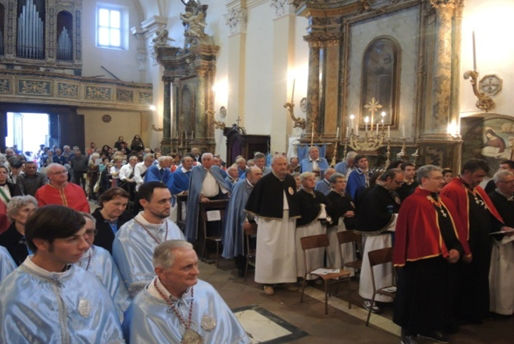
(373, 106)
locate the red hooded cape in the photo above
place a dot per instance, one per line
(417, 234)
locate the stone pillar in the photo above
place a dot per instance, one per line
(166, 118)
(313, 88)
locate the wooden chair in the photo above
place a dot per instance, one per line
(319, 241)
(220, 205)
(346, 237)
(250, 252)
(377, 257)
(354, 238)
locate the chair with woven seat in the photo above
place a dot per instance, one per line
(378, 257)
(316, 242)
(250, 231)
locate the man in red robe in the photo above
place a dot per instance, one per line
(479, 218)
(59, 191)
(426, 243)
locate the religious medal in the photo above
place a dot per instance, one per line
(290, 190)
(191, 337)
(208, 323)
(84, 308)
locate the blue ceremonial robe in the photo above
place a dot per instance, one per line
(356, 183)
(7, 264)
(156, 174)
(306, 164)
(133, 248)
(152, 323)
(323, 186)
(233, 235)
(179, 182)
(99, 262)
(195, 188)
(38, 306)
(341, 167)
(230, 181)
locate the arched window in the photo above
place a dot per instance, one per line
(381, 78)
(64, 36)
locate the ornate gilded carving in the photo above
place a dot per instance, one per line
(484, 102)
(194, 23)
(145, 98)
(446, 3)
(123, 95)
(5, 86)
(236, 20)
(98, 93)
(34, 87)
(491, 84)
(67, 90)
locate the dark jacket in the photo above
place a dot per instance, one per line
(105, 236)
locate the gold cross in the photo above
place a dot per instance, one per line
(373, 106)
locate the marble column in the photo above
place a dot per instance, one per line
(313, 88)
(166, 118)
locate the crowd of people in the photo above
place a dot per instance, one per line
(452, 240)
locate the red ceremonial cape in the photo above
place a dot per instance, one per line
(417, 234)
(456, 191)
(71, 196)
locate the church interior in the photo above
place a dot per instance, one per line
(427, 81)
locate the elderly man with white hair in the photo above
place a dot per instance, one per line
(160, 172)
(314, 163)
(272, 202)
(177, 307)
(207, 184)
(501, 273)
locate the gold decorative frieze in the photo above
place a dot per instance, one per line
(123, 95)
(34, 87)
(60, 89)
(98, 93)
(5, 86)
(67, 90)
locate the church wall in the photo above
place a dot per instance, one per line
(492, 22)
(121, 62)
(403, 27)
(123, 123)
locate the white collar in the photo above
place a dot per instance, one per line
(184, 170)
(155, 293)
(56, 276)
(155, 226)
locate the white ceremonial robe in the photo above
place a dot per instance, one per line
(337, 254)
(501, 277)
(133, 248)
(383, 272)
(313, 257)
(275, 260)
(7, 264)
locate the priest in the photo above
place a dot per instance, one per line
(207, 183)
(501, 274)
(426, 242)
(59, 191)
(479, 218)
(48, 299)
(237, 218)
(272, 203)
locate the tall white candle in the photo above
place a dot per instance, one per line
(474, 53)
(337, 133)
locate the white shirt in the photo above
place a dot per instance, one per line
(139, 170)
(210, 187)
(126, 171)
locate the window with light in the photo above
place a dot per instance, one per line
(109, 28)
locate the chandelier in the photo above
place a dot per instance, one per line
(375, 133)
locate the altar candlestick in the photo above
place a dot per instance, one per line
(474, 53)
(388, 131)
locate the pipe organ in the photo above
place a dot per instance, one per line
(30, 42)
(42, 34)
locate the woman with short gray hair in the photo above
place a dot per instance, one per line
(19, 210)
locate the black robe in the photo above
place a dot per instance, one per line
(504, 207)
(267, 200)
(310, 206)
(337, 206)
(105, 236)
(375, 209)
(406, 190)
(15, 243)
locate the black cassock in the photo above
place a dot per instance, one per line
(375, 209)
(309, 206)
(338, 205)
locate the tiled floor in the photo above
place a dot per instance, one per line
(341, 325)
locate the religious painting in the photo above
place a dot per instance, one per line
(490, 138)
(380, 79)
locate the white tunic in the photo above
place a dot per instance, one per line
(501, 276)
(275, 259)
(313, 257)
(337, 254)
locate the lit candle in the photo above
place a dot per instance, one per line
(366, 120)
(292, 93)
(377, 127)
(474, 53)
